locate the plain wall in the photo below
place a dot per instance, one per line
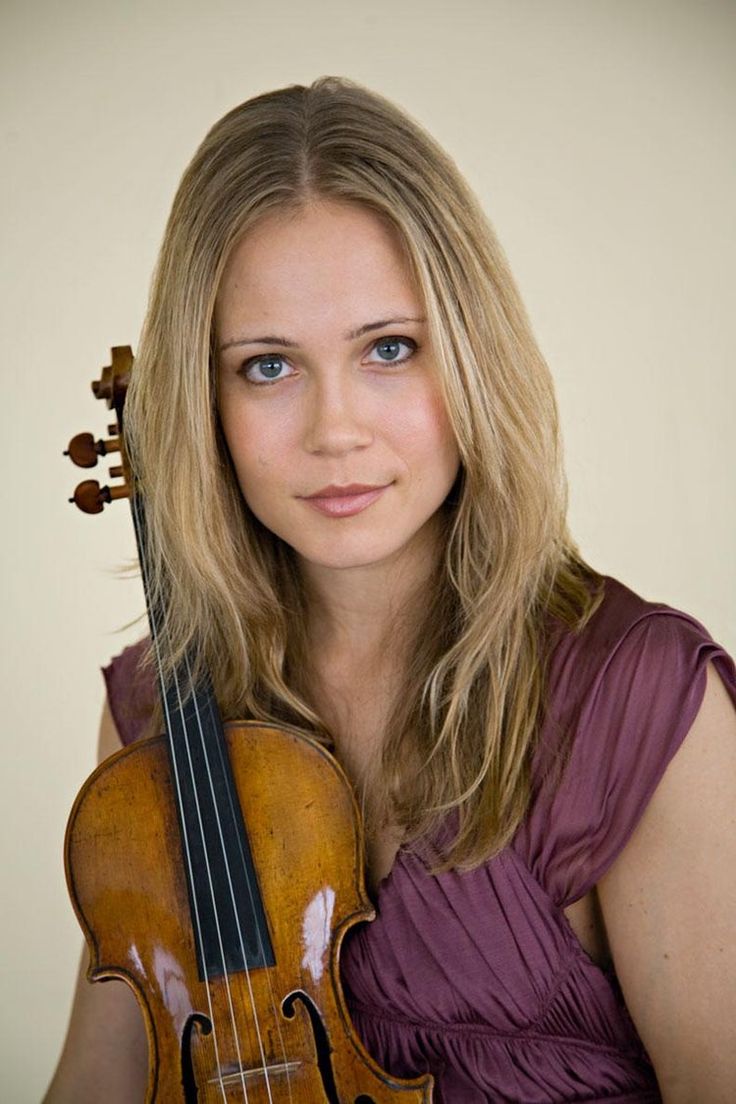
(599, 137)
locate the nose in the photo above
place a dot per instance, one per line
(335, 422)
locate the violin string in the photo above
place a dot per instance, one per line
(225, 974)
(137, 509)
(226, 864)
(264, 1063)
(274, 1008)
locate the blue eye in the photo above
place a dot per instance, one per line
(269, 366)
(392, 343)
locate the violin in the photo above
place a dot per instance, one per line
(216, 869)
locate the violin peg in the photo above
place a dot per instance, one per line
(84, 451)
(91, 498)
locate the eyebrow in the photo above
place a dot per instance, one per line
(351, 335)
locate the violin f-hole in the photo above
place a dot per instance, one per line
(188, 1080)
(322, 1046)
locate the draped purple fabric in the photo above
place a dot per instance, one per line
(477, 977)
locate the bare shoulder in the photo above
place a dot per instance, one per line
(669, 906)
(109, 740)
(105, 1053)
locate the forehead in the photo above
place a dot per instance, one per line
(329, 260)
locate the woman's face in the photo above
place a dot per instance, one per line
(328, 391)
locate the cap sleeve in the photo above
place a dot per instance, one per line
(131, 691)
(629, 721)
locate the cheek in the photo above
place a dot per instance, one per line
(253, 446)
(425, 428)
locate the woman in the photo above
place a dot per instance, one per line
(349, 448)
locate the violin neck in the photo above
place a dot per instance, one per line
(228, 916)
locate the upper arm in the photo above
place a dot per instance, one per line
(105, 1053)
(669, 906)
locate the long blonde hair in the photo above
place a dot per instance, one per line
(473, 693)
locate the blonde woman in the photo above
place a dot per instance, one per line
(349, 447)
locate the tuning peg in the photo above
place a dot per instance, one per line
(91, 498)
(84, 451)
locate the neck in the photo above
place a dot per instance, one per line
(359, 616)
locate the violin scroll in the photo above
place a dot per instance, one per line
(84, 451)
(115, 377)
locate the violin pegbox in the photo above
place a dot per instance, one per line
(85, 451)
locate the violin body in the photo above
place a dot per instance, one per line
(274, 1033)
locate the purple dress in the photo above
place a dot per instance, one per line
(477, 977)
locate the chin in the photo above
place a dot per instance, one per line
(342, 559)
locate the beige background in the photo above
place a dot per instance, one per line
(599, 136)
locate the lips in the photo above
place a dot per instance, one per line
(338, 502)
(335, 491)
